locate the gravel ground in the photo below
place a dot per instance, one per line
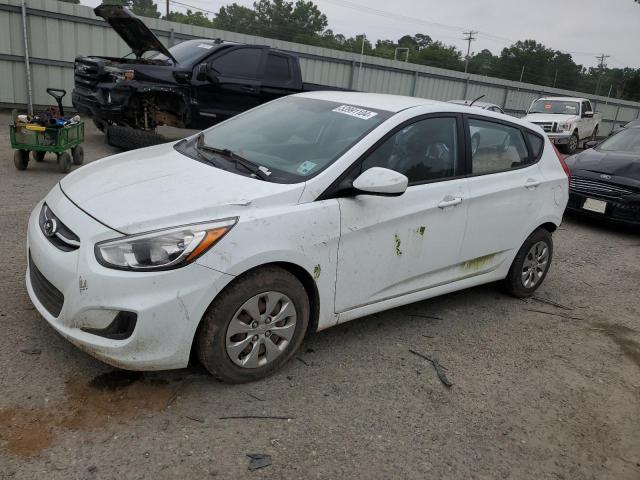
(543, 388)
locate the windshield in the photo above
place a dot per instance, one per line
(627, 141)
(186, 53)
(555, 106)
(295, 137)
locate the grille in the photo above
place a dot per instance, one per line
(548, 126)
(87, 73)
(585, 185)
(49, 296)
(57, 232)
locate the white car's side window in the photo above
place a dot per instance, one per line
(496, 147)
(423, 151)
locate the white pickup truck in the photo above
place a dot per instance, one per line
(567, 121)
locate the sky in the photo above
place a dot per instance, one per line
(584, 28)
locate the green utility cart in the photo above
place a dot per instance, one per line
(39, 140)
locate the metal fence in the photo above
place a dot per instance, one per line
(57, 32)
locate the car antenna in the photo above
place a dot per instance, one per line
(481, 96)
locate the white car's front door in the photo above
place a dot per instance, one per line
(392, 246)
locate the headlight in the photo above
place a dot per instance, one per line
(118, 75)
(162, 249)
(564, 127)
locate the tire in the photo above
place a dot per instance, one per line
(78, 155)
(127, 138)
(516, 283)
(214, 336)
(571, 147)
(64, 162)
(38, 156)
(21, 159)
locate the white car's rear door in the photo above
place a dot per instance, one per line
(504, 200)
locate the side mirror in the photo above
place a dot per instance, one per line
(381, 181)
(203, 72)
(591, 144)
(588, 114)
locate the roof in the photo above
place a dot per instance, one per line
(378, 101)
(566, 99)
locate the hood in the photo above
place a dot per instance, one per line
(622, 167)
(550, 117)
(132, 30)
(158, 187)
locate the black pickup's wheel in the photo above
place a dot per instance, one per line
(21, 159)
(78, 155)
(128, 138)
(100, 125)
(38, 156)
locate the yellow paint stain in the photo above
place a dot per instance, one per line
(477, 263)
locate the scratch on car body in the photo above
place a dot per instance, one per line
(183, 307)
(421, 230)
(316, 271)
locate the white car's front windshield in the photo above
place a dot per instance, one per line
(295, 136)
(556, 107)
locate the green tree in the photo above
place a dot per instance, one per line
(236, 18)
(191, 18)
(143, 8)
(437, 54)
(482, 63)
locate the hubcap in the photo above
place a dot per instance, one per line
(535, 264)
(261, 329)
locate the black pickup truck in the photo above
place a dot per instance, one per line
(193, 84)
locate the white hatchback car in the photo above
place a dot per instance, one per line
(295, 216)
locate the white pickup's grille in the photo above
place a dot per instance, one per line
(584, 185)
(548, 126)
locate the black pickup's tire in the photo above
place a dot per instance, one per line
(128, 138)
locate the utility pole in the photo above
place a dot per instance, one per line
(167, 17)
(361, 59)
(555, 79)
(602, 65)
(469, 37)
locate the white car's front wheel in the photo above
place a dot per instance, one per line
(254, 326)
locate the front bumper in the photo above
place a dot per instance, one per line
(168, 305)
(617, 210)
(104, 104)
(559, 138)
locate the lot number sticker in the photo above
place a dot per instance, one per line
(355, 112)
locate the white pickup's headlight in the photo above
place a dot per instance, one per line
(162, 249)
(563, 127)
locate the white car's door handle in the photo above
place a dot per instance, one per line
(532, 183)
(449, 201)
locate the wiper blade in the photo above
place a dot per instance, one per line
(258, 170)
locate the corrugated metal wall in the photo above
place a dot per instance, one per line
(59, 31)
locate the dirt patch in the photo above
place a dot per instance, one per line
(116, 395)
(621, 335)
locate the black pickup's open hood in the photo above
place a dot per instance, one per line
(132, 30)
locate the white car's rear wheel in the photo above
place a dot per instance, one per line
(531, 264)
(254, 326)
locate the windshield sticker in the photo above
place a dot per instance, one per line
(355, 112)
(205, 46)
(548, 106)
(306, 167)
